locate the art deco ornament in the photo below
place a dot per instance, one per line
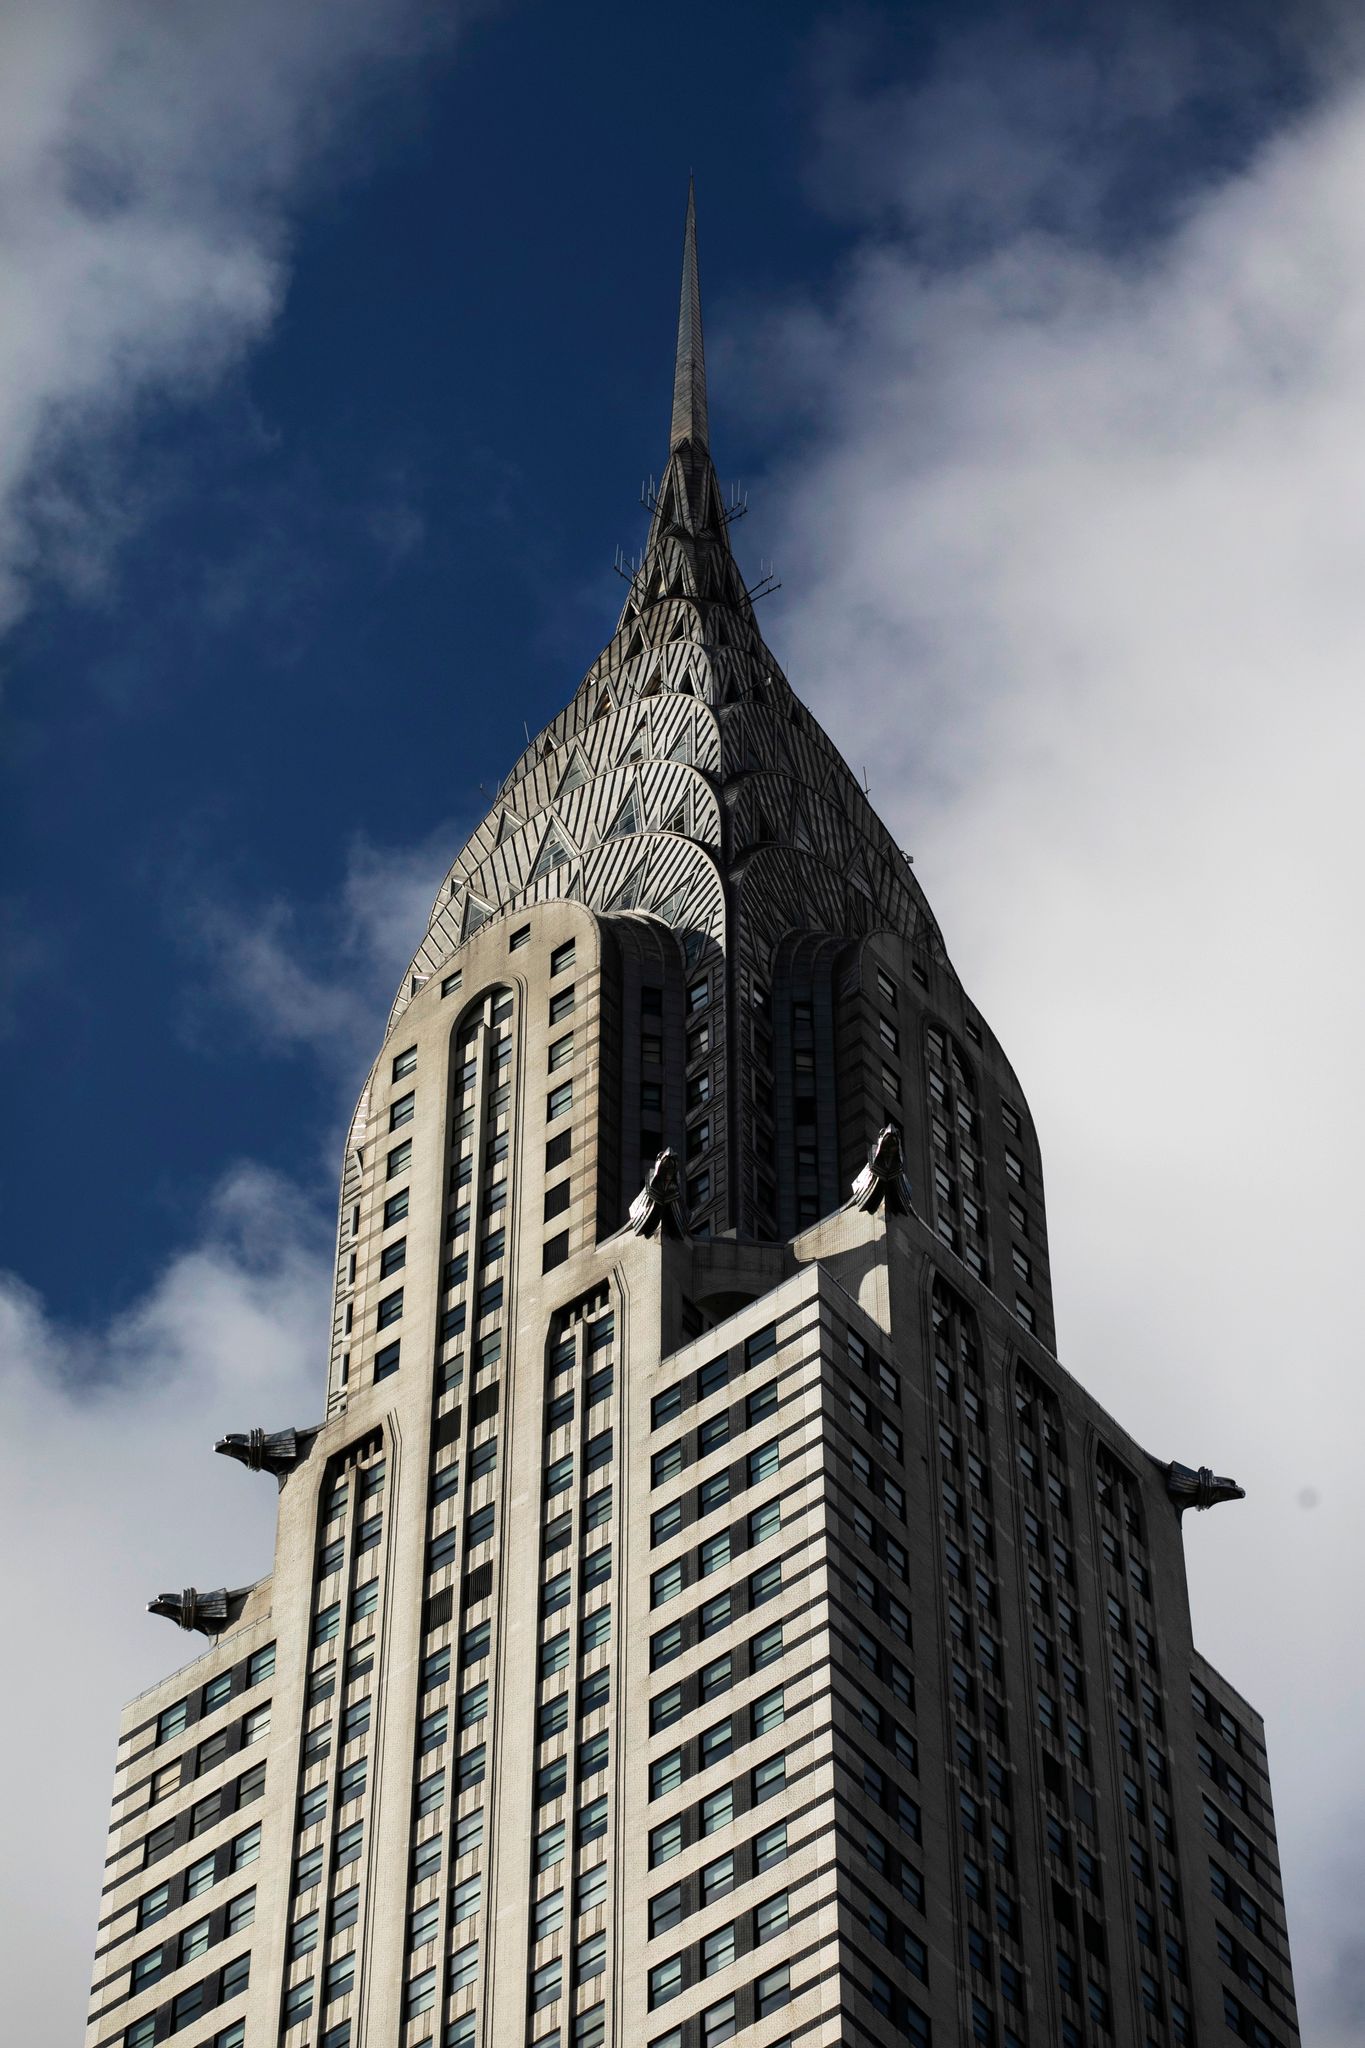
(1201, 1489)
(262, 1450)
(206, 1614)
(882, 1181)
(659, 1201)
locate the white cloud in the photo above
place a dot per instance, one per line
(1075, 555)
(318, 978)
(150, 155)
(98, 1420)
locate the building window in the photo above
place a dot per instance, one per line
(718, 1950)
(718, 1810)
(770, 1847)
(172, 1721)
(665, 1910)
(770, 1918)
(769, 1779)
(664, 1645)
(559, 1101)
(666, 1583)
(665, 1842)
(718, 2023)
(768, 1712)
(665, 1981)
(772, 1991)
(556, 1249)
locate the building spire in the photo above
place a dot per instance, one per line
(689, 371)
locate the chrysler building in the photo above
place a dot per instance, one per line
(702, 1604)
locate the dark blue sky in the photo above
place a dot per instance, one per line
(475, 338)
(357, 564)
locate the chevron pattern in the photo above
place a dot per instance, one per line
(684, 781)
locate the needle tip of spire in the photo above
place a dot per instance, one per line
(689, 369)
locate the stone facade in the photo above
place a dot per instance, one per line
(734, 1624)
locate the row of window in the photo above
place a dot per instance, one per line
(1218, 1717)
(199, 1877)
(717, 1810)
(366, 1468)
(204, 1814)
(718, 1950)
(715, 1678)
(670, 1403)
(191, 2004)
(581, 1338)
(718, 1878)
(715, 1553)
(733, 2015)
(667, 1773)
(206, 1755)
(1245, 2025)
(909, 2020)
(216, 1692)
(992, 1927)
(192, 1942)
(667, 1464)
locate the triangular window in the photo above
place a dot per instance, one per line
(637, 644)
(475, 914)
(508, 823)
(670, 910)
(575, 775)
(628, 895)
(681, 749)
(653, 685)
(553, 854)
(627, 819)
(680, 628)
(639, 744)
(678, 821)
(547, 747)
(604, 705)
